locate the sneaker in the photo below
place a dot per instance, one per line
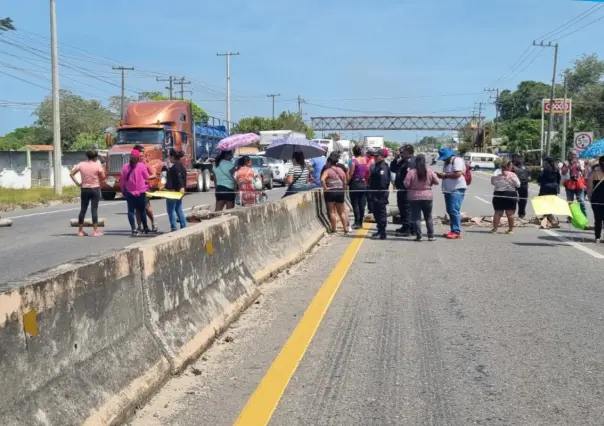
(82, 234)
(382, 236)
(418, 237)
(355, 226)
(155, 228)
(375, 235)
(402, 230)
(97, 234)
(431, 239)
(509, 232)
(349, 229)
(598, 240)
(493, 231)
(453, 236)
(135, 232)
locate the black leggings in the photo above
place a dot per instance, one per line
(598, 218)
(90, 196)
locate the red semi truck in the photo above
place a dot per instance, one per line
(158, 126)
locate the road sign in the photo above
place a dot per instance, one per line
(583, 140)
(558, 106)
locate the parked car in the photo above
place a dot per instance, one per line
(261, 166)
(279, 169)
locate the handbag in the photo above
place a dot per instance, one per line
(257, 182)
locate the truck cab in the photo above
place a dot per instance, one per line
(158, 126)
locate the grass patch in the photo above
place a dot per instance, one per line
(11, 199)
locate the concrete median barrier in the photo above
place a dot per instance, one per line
(278, 234)
(88, 341)
(72, 338)
(197, 283)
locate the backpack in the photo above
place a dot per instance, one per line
(467, 174)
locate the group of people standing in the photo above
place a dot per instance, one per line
(581, 182)
(236, 183)
(134, 183)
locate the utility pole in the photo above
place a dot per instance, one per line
(479, 126)
(182, 83)
(228, 85)
(550, 122)
(496, 108)
(170, 88)
(563, 144)
(273, 95)
(123, 70)
(300, 102)
(56, 114)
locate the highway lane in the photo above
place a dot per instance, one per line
(490, 329)
(42, 238)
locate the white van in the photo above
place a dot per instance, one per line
(480, 160)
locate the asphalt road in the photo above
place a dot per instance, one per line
(489, 330)
(42, 238)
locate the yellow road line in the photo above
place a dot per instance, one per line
(263, 402)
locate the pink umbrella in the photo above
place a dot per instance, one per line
(237, 141)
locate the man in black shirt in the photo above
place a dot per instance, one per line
(176, 181)
(401, 165)
(379, 185)
(523, 175)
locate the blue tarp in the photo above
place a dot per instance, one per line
(206, 140)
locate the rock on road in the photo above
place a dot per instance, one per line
(491, 330)
(42, 238)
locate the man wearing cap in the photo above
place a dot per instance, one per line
(379, 185)
(454, 187)
(524, 176)
(404, 162)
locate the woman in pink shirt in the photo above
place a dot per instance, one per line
(419, 182)
(133, 181)
(91, 174)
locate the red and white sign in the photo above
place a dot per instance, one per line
(583, 140)
(558, 106)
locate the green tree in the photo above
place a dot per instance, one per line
(392, 145)
(254, 125)
(6, 24)
(85, 141)
(286, 121)
(22, 136)
(78, 115)
(522, 134)
(115, 104)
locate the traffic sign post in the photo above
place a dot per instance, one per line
(582, 140)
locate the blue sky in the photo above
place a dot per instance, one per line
(413, 50)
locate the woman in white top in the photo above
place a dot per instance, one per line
(505, 197)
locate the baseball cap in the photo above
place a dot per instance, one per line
(381, 153)
(135, 153)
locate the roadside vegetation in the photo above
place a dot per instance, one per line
(11, 199)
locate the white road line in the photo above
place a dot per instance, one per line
(482, 199)
(574, 244)
(61, 211)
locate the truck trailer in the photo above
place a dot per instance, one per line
(159, 126)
